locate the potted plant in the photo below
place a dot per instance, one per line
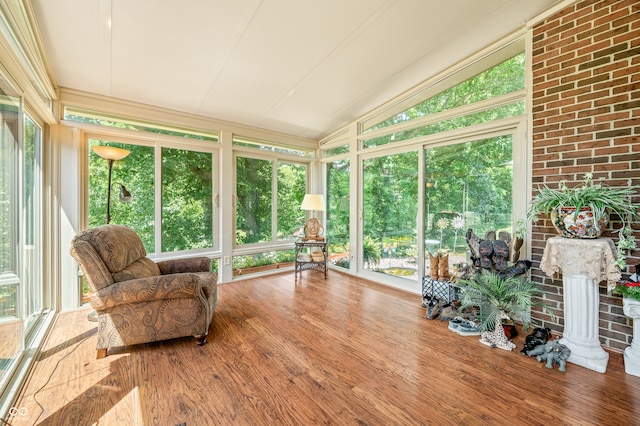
(583, 211)
(495, 294)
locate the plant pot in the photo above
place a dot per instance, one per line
(631, 308)
(583, 226)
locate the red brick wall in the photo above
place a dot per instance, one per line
(586, 118)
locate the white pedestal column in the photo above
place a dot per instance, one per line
(631, 309)
(581, 305)
(584, 264)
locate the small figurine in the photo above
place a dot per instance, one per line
(539, 336)
(552, 352)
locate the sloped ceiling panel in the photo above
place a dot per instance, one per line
(298, 67)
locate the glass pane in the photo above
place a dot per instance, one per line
(10, 324)
(187, 199)
(497, 113)
(254, 263)
(272, 147)
(336, 151)
(292, 184)
(254, 191)
(338, 177)
(102, 119)
(32, 197)
(468, 185)
(390, 203)
(504, 78)
(136, 173)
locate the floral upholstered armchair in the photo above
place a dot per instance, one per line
(138, 300)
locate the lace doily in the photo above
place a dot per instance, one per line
(594, 258)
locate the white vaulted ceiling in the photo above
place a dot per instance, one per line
(300, 67)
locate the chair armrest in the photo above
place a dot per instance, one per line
(174, 286)
(191, 264)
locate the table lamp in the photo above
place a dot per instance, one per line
(313, 230)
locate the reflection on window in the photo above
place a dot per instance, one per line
(390, 201)
(338, 176)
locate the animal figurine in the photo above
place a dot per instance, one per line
(552, 352)
(539, 336)
(497, 338)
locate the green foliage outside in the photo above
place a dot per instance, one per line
(338, 213)
(254, 207)
(263, 259)
(187, 200)
(187, 195)
(390, 186)
(470, 181)
(504, 78)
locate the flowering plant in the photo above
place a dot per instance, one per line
(629, 289)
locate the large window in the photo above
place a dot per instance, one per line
(187, 199)
(21, 285)
(177, 215)
(10, 276)
(467, 185)
(466, 129)
(338, 212)
(390, 206)
(32, 218)
(269, 193)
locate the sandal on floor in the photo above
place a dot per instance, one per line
(501, 251)
(486, 253)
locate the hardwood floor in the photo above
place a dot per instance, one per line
(337, 351)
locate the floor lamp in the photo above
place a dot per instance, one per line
(112, 154)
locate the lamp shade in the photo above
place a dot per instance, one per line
(110, 152)
(313, 202)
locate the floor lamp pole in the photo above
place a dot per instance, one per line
(109, 192)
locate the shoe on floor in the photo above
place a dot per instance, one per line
(454, 323)
(468, 328)
(434, 307)
(448, 312)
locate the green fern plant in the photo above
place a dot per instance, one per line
(511, 295)
(371, 252)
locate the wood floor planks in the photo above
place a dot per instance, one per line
(313, 351)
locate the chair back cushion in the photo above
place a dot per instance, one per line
(111, 253)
